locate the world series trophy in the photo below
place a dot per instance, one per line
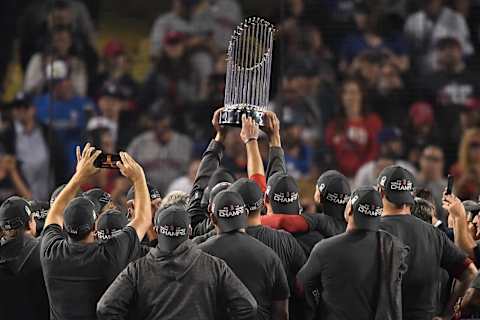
(249, 66)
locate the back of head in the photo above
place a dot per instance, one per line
(334, 190)
(283, 194)
(172, 227)
(398, 185)
(79, 218)
(367, 208)
(109, 222)
(250, 193)
(15, 214)
(228, 211)
(221, 186)
(152, 190)
(99, 198)
(175, 198)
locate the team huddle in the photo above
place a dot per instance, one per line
(234, 248)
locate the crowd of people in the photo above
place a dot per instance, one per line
(373, 103)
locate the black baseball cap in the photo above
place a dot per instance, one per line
(39, 213)
(282, 191)
(57, 191)
(171, 225)
(335, 191)
(250, 193)
(111, 90)
(219, 175)
(99, 198)
(110, 221)
(15, 213)
(367, 207)
(229, 209)
(21, 99)
(398, 184)
(79, 217)
(217, 189)
(471, 206)
(153, 191)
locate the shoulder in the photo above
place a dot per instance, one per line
(327, 245)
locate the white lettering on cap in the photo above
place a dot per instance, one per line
(321, 187)
(337, 198)
(27, 210)
(355, 199)
(172, 231)
(370, 211)
(383, 180)
(287, 197)
(230, 211)
(401, 185)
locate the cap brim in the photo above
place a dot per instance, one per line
(400, 198)
(230, 224)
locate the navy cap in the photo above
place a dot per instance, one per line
(79, 216)
(109, 222)
(111, 90)
(229, 209)
(99, 198)
(153, 191)
(171, 225)
(21, 99)
(250, 192)
(15, 212)
(398, 184)
(283, 193)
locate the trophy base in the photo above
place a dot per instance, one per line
(232, 117)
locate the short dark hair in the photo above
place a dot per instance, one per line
(423, 209)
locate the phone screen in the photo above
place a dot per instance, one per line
(107, 161)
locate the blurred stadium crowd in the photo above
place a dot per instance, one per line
(357, 85)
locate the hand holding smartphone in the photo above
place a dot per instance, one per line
(107, 161)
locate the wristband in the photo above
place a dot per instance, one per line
(250, 139)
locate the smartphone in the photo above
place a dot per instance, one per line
(107, 161)
(450, 180)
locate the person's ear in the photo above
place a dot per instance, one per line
(190, 231)
(213, 218)
(32, 226)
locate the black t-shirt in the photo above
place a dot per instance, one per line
(23, 294)
(255, 264)
(326, 225)
(76, 274)
(284, 245)
(430, 251)
(341, 277)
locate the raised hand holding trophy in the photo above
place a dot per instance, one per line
(249, 65)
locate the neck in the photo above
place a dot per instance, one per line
(254, 220)
(28, 125)
(269, 210)
(390, 210)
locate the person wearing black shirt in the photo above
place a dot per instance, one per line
(77, 269)
(430, 249)
(23, 294)
(176, 280)
(357, 274)
(255, 264)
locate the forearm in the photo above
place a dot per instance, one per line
(254, 159)
(55, 214)
(20, 186)
(463, 238)
(460, 288)
(276, 161)
(280, 310)
(143, 207)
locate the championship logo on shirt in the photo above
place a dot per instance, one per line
(337, 198)
(401, 185)
(230, 211)
(172, 231)
(285, 197)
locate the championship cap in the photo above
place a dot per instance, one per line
(79, 217)
(334, 188)
(57, 191)
(398, 184)
(99, 198)
(367, 207)
(471, 206)
(229, 209)
(282, 191)
(219, 175)
(250, 193)
(171, 225)
(15, 212)
(217, 189)
(108, 222)
(153, 191)
(39, 213)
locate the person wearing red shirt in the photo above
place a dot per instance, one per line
(352, 135)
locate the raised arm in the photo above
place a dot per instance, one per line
(249, 135)
(276, 161)
(85, 169)
(143, 209)
(463, 238)
(210, 162)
